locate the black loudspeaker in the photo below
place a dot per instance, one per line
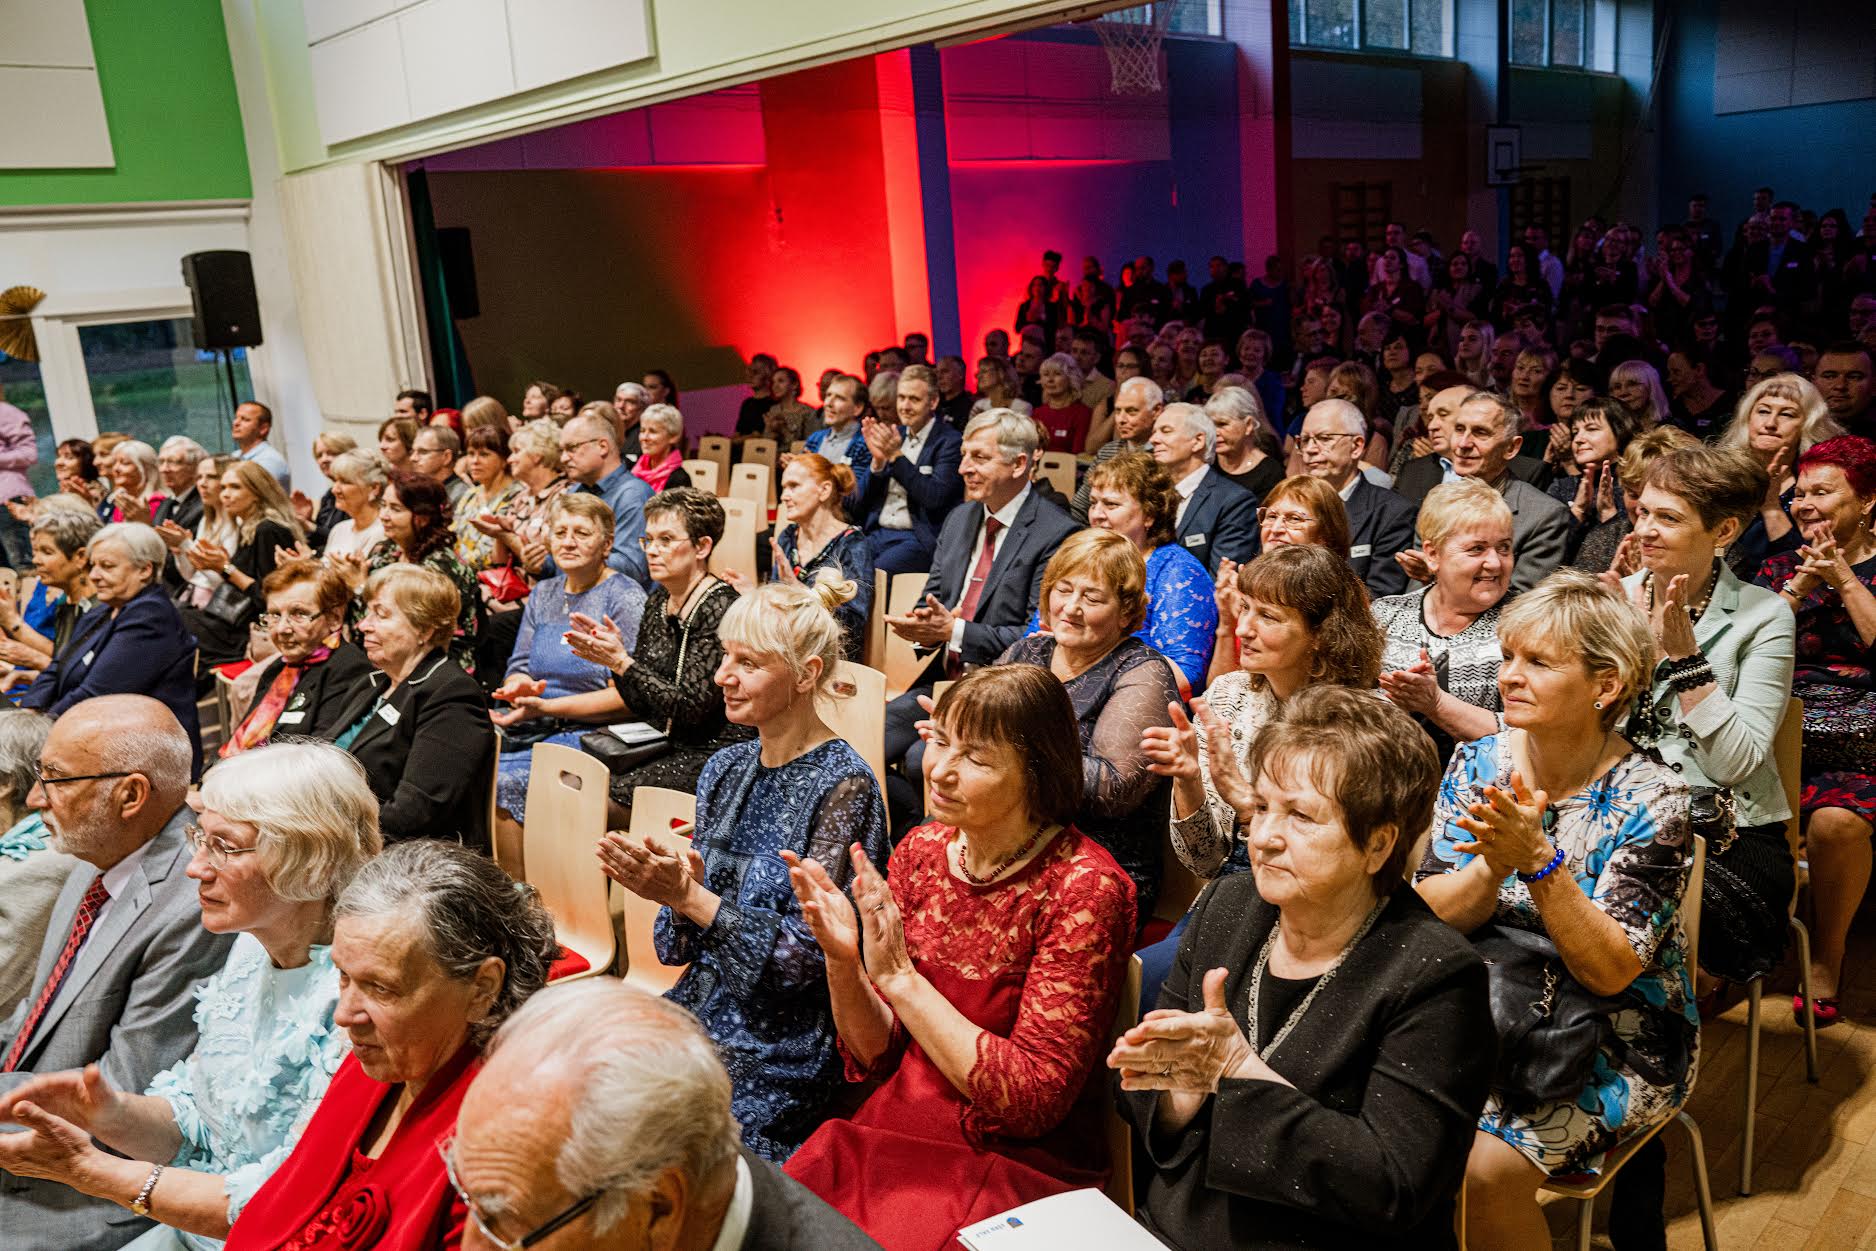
(459, 271)
(227, 312)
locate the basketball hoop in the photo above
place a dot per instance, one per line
(1132, 37)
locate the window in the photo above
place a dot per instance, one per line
(1422, 27)
(149, 381)
(1543, 202)
(1563, 34)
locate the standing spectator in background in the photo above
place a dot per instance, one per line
(629, 401)
(1093, 301)
(1848, 385)
(1062, 414)
(1182, 301)
(1253, 354)
(788, 420)
(19, 451)
(954, 398)
(1148, 297)
(1703, 232)
(1698, 407)
(253, 422)
(1548, 267)
(1097, 389)
(413, 405)
(751, 413)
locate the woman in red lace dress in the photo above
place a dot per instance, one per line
(977, 987)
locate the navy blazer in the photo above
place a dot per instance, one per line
(1015, 582)
(141, 649)
(1380, 523)
(1220, 521)
(933, 488)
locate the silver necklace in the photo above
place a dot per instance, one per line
(1257, 978)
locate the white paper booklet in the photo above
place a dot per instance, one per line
(635, 732)
(1077, 1218)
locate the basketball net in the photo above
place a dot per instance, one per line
(1132, 37)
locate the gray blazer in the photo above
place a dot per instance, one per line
(1750, 638)
(1540, 528)
(128, 1004)
(28, 890)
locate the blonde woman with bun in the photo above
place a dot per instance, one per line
(819, 537)
(756, 977)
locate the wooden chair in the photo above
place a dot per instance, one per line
(856, 710)
(751, 482)
(736, 550)
(761, 452)
(1787, 749)
(901, 662)
(1058, 469)
(1178, 885)
(566, 817)
(703, 474)
(1585, 1189)
(714, 447)
(667, 817)
(1115, 1129)
(873, 654)
(797, 447)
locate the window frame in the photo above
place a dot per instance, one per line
(1363, 48)
(1594, 12)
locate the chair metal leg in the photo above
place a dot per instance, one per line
(1703, 1191)
(1755, 993)
(1804, 984)
(1586, 1214)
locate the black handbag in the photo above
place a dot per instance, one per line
(1550, 1027)
(623, 757)
(228, 606)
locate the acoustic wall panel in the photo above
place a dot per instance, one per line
(555, 40)
(358, 82)
(450, 59)
(49, 80)
(326, 18)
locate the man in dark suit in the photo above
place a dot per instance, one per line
(176, 462)
(1485, 438)
(985, 581)
(538, 1146)
(1423, 473)
(1217, 517)
(123, 950)
(1380, 523)
(913, 481)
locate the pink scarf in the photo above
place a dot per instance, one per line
(656, 476)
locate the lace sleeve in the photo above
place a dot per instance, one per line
(1182, 622)
(1203, 840)
(1114, 774)
(1022, 1086)
(689, 697)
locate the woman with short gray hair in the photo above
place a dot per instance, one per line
(436, 947)
(133, 643)
(283, 829)
(37, 629)
(31, 873)
(661, 448)
(358, 482)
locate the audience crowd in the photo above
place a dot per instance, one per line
(1411, 627)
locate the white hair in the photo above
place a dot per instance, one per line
(665, 417)
(360, 468)
(1146, 387)
(22, 739)
(1017, 435)
(633, 391)
(1197, 424)
(313, 808)
(1507, 411)
(1346, 413)
(143, 456)
(1236, 404)
(636, 1060)
(183, 443)
(1070, 367)
(139, 542)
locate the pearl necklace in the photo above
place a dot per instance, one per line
(1693, 614)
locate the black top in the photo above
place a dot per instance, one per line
(1277, 998)
(320, 697)
(653, 688)
(1391, 1066)
(1261, 477)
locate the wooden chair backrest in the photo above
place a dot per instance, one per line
(566, 817)
(1115, 1129)
(736, 550)
(902, 662)
(857, 712)
(654, 812)
(1788, 753)
(1058, 469)
(703, 474)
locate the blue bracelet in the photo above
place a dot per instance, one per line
(1530, 878)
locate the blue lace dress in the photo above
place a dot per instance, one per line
(541, 652)
(266, 1047)
(1627, 840)
(1181, 615)
(757, 979)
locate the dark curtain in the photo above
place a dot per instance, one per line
(449, 360)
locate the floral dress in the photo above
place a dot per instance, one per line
(266, 1048)
(1627, 840)
(851, 556)
(756, 978)
(476, 550)
(1207, 841)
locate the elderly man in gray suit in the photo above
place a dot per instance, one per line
(1484, 439)
(124, 950)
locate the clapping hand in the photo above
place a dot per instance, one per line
(928, 625)
(782, 568)
(882, 929)
(174, 536)
(826, 909)
(208, 554)
(303, 507)
(1172, 751)
(1508, 828)
(1627, 560)
(1822, 561)
(299, 551)
(1225, 592)
(350, 566)
(1415, 688)
(648, 870)
(84, 1097)
(523, 696)
(597, 642)
(1221, 761)
(23, 511)
(1186, 1052)
(1672, 627)
(51, 1148)
(493, 524)
(1414, 561)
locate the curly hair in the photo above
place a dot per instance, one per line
(428, 503)
(1144, 478)
(1334, 605)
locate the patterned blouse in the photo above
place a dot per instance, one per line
(1181, 612)
(476, 550)
(757, 979)
(850, 555)
(1207, 841)
(469, 614)
(1063, 924)
(530, 510)
(690, 702)
(266, 1047)
(1830, 651)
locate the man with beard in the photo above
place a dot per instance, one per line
(124, 949)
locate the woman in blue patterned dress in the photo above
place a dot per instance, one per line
(757, 979)
(282, 830)
(1132, 495)
(553, 696)
(1558, 826)
(819, 537)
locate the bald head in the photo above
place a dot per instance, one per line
(145, 758)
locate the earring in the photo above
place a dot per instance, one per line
(1599, 705)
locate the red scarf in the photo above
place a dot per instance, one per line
(258, 726)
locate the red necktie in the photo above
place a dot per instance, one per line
(88, 909)
(954, 663)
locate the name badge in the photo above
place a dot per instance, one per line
(391, 715)
(1359, 550)
(924, 469)
(1195, 540)
(292, 718)
(89, 656)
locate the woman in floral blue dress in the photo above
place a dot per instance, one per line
(1558, 826)
(282, 830)
(756, 977)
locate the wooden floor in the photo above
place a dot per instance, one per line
(1814, 1177)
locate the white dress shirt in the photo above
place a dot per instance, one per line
(736, 1221)
(1186, 486)
(896, 512)
(1006, 517)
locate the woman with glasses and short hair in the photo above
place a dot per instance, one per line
(303, 688)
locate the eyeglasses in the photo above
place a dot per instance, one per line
(661, 542)
(40, 778)
(1289, 521)
(1322, 440)
(576, 445)
(446, 1148)
(217, 849)
(293, 616)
